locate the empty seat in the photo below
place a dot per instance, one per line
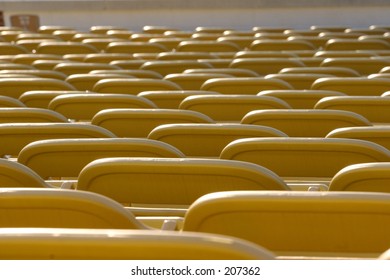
(62, 48)
(300, 99)
(102, 244)
(139, 122)
(6, 101)
(87, 81)
(69, 68)
(7, 48)
(192, 81)
(246, 85)
(207, 46)
(42, 98)
(331, 224)
(35, 72)
(363, 65)
(185, 55)
(85, 106)
(15, 87)
(354, 86)
(51, 208)
(14, 136)
(174, 66)
(171, 99)
(377, 134)
(305, 157)
(335, 71)
(135, 47)
(305, 122)
(374, 108)
(131, 72)
(364, 177)
(265, 66)
(16, 175)
(29, 115)
(298, 81)
(230, 108)
(355, 44)
(208, 140)
(106, 57)
(169, 182)
(66, 157)
(280, 45)
(229, 71)
(133, 86)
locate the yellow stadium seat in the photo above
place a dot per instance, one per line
(42, 98)
(61, 48)
(364, 177)
(101, 244)
(14, 66)
(229, 71)
(14, 136)
(15, 87)
(305, 122)
(46, 64)
(49, 29)
(247, 85)
(6, 101)
(363, 65)
(193, 81)
(67, 157)
(171, 99)
(103, 29)
(185, 55)
(230, 108)
(16, 175)
(35, 72)
(300, 224)
(354, 44)
(65, 35)
(86, 82)
(335, 71)
(139, 122)
(264, 66)
(106, 57)
(82, 107)
(30, 115)
(51, 208)
(374, 108)
(280, 45)
(133, 86)
(11, 49)
(169, 43)
(207, 46)
(243, 42)
(135, 47)
(29, 58)
(300, 99)
(345, 53)
(101, 43)
(379, 134)
(170, 182)
(208, 140)
(298, 81)
(311, 159)
(69, 68)
(174, 66)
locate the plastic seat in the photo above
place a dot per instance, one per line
(335, 71)
(185, 55)
(106, 57)
(14, 136)
(305, 122)
(374, 108)
(363, 65)
(242, 42)
(265, 66)
(230, 108)
(354, 86)
(69, 68)
(354, 44)
(346, 53)
(174, 66)
(280, 45)
(251, 85)
(11, 49)
(364, 177)
(67, 157)
(229, 71)
(131, 73)
(84, 106)
(171, 99)
(14, 66)
(51, 208)
(207, 46)
(15, 87)
(192, 81)
(133, 86)
(62, 48)
(42, 98)
(16, 175)
(29, 58)
(303, 224)
(379, 134)
(157, 181)
(298, 81)
(135, 47)
(6, 101)
(208, 140)
(300, 99)
(101, 244)
(101, 44)
(263, 54)
(86, 82)
(139, 122)
(31, 115)
(316, 159)
(38, 73)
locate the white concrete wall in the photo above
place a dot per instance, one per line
(187, 15)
